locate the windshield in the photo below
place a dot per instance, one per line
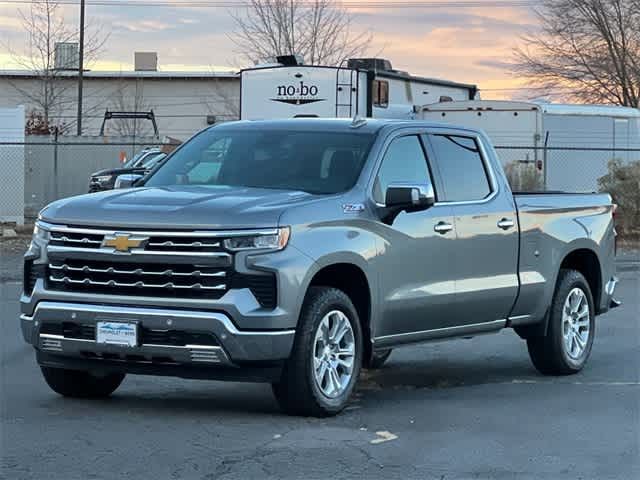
(312, 161)
(133, 160)
(151, 159)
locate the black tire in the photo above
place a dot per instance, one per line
(549, 353)
(378, 358)
(80, 384)
(297, 392)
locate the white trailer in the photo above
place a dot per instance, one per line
(12, 121)
(364, 87)
(570, 145)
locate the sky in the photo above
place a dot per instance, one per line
(470, 44)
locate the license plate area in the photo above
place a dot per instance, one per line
(124, 334)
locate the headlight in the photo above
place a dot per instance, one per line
(38, 242)
(102, 178)
(40, 233)
(275, 239)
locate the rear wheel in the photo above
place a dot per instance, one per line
(567, 344)
(80, 384)
(324, 365)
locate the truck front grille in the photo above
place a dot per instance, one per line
(161, 264)
(153, 279)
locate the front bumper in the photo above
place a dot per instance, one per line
(234, 347)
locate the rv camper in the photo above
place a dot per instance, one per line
(570, 145)
(362, 87)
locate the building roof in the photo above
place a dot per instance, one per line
(104, 74)
(589, 110)
(550, 108)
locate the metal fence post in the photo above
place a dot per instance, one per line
(55, 164)
(545, 161)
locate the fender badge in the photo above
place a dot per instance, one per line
(352, 207)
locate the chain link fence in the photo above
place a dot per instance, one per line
(569, 169)
(43, 169)
(52, 169)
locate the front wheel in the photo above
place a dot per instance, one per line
(80, 384)
(321, 373)
(567, 344)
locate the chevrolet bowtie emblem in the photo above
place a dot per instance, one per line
(124, 242)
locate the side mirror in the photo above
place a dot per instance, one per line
(409, 197)
(127, 180)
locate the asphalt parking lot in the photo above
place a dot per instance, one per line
(468, 409)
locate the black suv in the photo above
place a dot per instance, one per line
(140, 164)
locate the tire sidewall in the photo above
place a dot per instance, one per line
(342, 303)
(570, 281)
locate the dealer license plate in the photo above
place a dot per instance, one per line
(117, 333)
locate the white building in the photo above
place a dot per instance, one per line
(182, 102)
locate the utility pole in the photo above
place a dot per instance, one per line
(80, 67)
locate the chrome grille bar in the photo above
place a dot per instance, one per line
(164, 233)
(138, 284)
(196, 244)
(83, 240)
(138, 271)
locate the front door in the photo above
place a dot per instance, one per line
(416, 280)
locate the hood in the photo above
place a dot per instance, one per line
(176, 207)
(118, 171)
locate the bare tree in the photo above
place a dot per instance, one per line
(587, 49)
(321, 31)
(45, 26)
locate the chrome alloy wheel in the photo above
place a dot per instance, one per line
(334, 351)
(576, 323)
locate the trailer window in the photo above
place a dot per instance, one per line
(380, 93)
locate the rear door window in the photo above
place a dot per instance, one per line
(462, 168)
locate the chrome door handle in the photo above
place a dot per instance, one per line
(443, 227)
(506, 223)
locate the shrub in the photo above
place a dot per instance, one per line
(523, 177)
(622, 182)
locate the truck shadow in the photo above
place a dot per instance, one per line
(442, 373)
(204, 399)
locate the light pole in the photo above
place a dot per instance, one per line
(80, 67)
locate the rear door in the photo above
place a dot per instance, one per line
(486, 251)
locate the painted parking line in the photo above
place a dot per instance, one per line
(588, 383)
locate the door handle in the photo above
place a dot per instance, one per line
(506, 223)
(443, 227)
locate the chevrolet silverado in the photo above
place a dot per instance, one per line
(299, 251)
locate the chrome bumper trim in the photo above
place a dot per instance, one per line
(177, 353)
(223, 319)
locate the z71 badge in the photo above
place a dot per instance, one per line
(352, 207)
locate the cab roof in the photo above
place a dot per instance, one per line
(368, 125)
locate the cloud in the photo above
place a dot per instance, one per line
(465, 44)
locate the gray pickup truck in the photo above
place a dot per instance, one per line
(299, 251)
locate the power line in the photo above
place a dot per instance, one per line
(349, 4)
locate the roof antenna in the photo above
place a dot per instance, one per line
(358, 121)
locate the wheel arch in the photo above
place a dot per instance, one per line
(581, 258)
(585, 261)
(350, 278)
